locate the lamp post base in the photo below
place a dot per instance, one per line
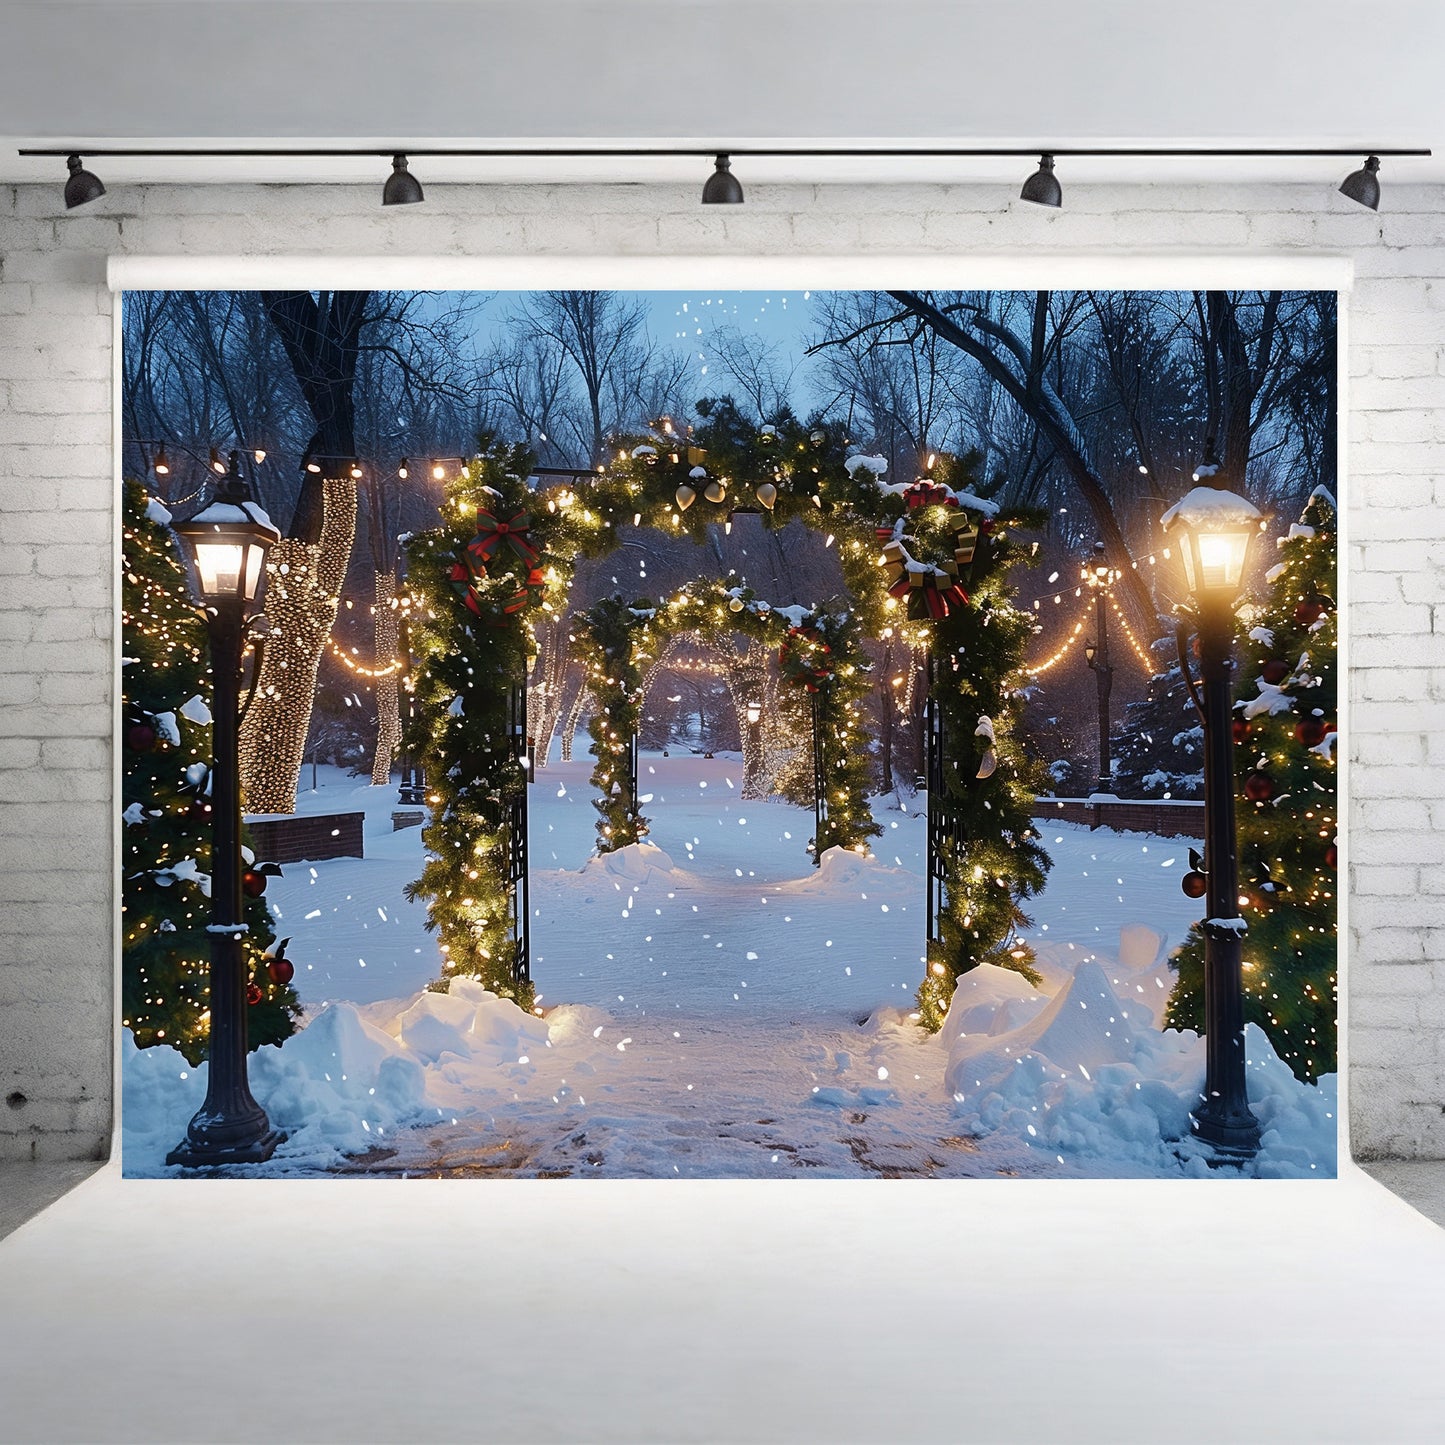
(1234, 1138)
(190, 1155)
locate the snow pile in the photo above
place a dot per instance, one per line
(338, 1087)
(990, 999)
(1090, 1081)
(471, 1023)
(635, 863)
(341, 1085)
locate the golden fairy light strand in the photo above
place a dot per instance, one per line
(1145, 660)
(391, 668)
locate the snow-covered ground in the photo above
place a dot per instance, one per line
(716, 1006)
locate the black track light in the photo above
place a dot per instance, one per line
(82, 186)
(722, 188)
(162, 463)
(1363, 185)
(217, 465)
(404, 470)
(1042, 188)
(402, 188)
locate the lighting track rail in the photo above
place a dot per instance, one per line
(1042, 187)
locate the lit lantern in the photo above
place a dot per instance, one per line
(228, 541)
(1215, 528)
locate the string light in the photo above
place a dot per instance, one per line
(390, 669)
(1145, 661)
(1054, 659)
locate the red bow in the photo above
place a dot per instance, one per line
(492, 532)
(929, 494)
(464, 585)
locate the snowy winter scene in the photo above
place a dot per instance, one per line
(750, 735)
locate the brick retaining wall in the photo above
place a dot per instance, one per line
(1167, 819)
(292, 839)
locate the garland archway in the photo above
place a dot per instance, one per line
(925, 562)
(820, 652)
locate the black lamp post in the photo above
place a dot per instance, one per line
(227, 542)
(1214, 527)
(1099, 575)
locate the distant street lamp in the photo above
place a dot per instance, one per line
(1214, 528)
(1099, 575)
(227, 542)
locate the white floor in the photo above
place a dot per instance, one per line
(1009, 1310)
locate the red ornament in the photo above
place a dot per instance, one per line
(1194, 884)
(253, 993)
(1311, 731)
(1241, 729)
(140, 737)
(1332, 857)
(200, 809)
(1308, 612)
(281, 971)
(1275, 671)
(253, 884)
(1259, 787)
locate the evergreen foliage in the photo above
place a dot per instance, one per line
(166, 830)
(609, 637)
(1158, 746)
(1286, 809)
(469, 650)
(994, 860)
(929, 586)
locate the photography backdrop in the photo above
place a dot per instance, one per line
(60, 423)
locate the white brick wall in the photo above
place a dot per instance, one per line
(57, 545)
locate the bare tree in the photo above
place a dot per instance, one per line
(596, 331)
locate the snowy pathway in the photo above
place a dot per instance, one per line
(715, 1006)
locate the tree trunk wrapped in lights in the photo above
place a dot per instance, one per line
(303, 591)
(746, 674)
(1286, 809)
(544, 697)
(388, 708)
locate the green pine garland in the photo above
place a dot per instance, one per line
(978, 663)
(610, 637)
(1287, 834)
(166, 833)
(469, 649)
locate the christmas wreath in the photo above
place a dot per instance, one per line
(805, 657)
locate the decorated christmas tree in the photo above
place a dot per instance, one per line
(166, 836)
(1287, 808)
